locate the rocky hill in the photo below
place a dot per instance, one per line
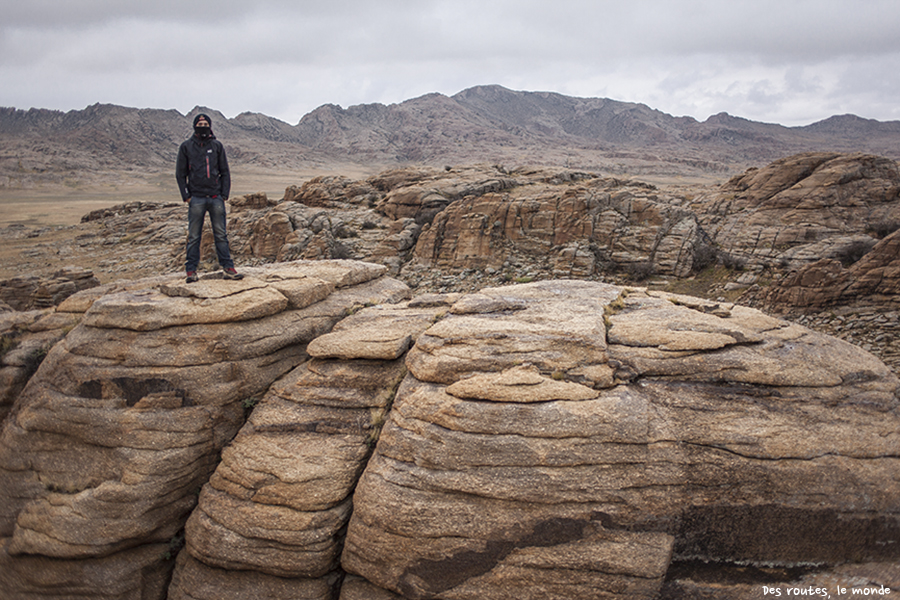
(319, 431)
(482, 124)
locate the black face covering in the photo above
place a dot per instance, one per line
(203, 133)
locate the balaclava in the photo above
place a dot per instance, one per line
(204, 133)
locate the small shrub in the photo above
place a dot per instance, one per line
(882, 229)
(248, 404)
(176, 543)
(640, 271)
(7, 344)
(732, 262)
(851, 253)
(704, 256)
(34, 359)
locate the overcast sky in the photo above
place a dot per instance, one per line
(781, 61)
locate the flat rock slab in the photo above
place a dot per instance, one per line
(519, 384)
(537, 323)
(219, 302)
(376, 333)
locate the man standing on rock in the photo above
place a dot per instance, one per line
(205, 182)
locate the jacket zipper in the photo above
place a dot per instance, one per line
(207, 167)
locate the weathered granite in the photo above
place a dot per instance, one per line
(559, 439)
(109, 444)
(278, 503)
(802, 208)
(724, 435)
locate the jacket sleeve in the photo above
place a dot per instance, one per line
(224, 173)
(181, 173)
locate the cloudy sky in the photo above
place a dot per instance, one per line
(782, 61)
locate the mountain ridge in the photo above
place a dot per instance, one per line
(487, 123)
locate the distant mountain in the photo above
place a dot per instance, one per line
(480, 124)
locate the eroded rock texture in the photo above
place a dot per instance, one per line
(554, 440)
(582, 227)
(805, 207)
(570, 439)
(874, 279)
(278, 504)
(107, 447)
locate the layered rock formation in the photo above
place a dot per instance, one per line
(803, 208)
(425, 223)
(108, 445)
(279, 502)
(875, 277)
(558, 439)
(553, 440)
(34, 292)
(464, 228)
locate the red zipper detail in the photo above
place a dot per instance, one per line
(207, 167)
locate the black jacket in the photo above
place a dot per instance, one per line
(202, 169)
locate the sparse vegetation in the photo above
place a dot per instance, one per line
(176, 543)
(34, 359)
(884, 228)
(248, 404)
(851, 253)
(705, 256)
(8, 343)
(732, 262)
(640, 271)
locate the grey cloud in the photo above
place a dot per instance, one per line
(761, 59)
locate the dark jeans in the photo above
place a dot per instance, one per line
(199, 206)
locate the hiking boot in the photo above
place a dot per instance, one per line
(191, 277)
(230, 273)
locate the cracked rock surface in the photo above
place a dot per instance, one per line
(332, 439)
(718, 434)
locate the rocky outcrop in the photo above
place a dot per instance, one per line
(107, 447)
(557, 439)
(874, 278)
(858, 303)
(25, 339)
(277, 506)
(331, 191)
(425, 223)
(804, 208)
(573, 224)
(124, 209)
(35, 292)
(501, 225)
(581, 225)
